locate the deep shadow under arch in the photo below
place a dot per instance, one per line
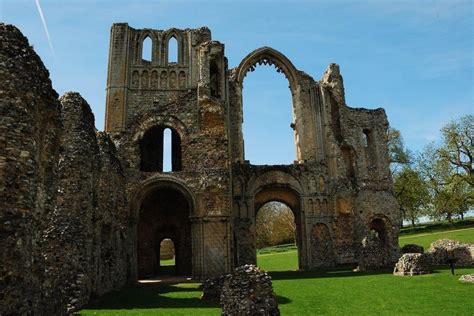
(163, 213)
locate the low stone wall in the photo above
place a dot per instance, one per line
(246, 291)
(444, 249)
(413, 264)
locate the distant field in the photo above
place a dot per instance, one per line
(425, 239)
(340, 292)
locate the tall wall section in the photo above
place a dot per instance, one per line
(188, 97)
(63, 211)
(30, 125)
(340, 177)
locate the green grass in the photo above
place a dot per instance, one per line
(433, 227)
(425, 239)
(340, 292)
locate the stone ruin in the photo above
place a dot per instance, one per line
(413, 264)
(248, 291)
(467, 278)
(444, 249)
(84, 212)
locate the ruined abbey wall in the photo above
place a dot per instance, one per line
(64, 229)
(83, 212)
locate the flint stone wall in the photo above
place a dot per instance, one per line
(444, 249)
(64, 230)
(30, 125)
(413, 264)
(373, 254)
(248, 291)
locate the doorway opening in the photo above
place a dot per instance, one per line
(278, 229)
(167, 257)
(164, 215)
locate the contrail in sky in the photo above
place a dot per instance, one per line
(44, 25)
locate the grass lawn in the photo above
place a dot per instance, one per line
(339, 292)
(425, 239)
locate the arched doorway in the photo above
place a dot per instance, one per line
(167, 257)
(291, 199)
(276, 235)
(164, 213)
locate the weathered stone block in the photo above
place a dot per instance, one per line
(413, 264)
(248, 291)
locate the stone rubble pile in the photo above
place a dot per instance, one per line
(467, 278)
(248, 291)
(413, 264)
(212, 288)
(412, 248)
(444, 249)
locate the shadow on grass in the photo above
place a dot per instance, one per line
(154, 295)
(338, 273)
(151, 295)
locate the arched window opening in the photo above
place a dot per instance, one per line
(366, 137)
(167, 257)
(215, 79)
(147, 48)
(160, 150)
(151, 150)
(275, 228)
(172, 50)
(370, 150)
(377, 229)
(167, 150)
(268, 118)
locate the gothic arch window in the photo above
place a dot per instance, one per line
(172, 50)
(268, 116)
(147, 49)
(160, 150)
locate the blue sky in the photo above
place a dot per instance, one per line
(414, 58)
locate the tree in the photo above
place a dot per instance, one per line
(274, 225)
(398, 153)
(412, 194)
(448, 169)
(458, 147)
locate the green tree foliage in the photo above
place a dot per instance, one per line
(399, 155)
(458, 148)
(448, 169)
(275, 225)
(412, 194)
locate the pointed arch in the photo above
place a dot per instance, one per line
(147, 49)
(173, 34)
(268, 56)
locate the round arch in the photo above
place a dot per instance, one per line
(267, 55)
(383, 226)
(157, 182)
(158, 120)
(275, 177)
(162, 207)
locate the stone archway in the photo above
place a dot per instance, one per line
(289, 197)
(162, 209)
